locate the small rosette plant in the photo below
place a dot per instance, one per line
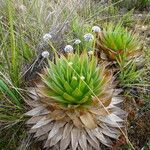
(118, 43)
(74, 106)
(72, 81)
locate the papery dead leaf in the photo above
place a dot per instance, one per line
(88, 121)
(55, 129)
(75, 135)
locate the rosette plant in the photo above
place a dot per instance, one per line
(118, 43)
(74, 106)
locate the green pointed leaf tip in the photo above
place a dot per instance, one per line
(73, 80)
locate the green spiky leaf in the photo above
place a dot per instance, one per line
(74, 79)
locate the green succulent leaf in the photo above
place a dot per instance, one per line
(73, 80)
(77, 93)
(117, 38)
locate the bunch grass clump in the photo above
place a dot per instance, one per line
(129, 74)
(12, 108)
(133, 4)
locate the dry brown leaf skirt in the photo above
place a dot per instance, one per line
(74, 128)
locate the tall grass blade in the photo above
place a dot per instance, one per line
(5, 89)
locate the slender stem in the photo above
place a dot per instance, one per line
(14, 67)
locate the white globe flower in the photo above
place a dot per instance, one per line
(70, 63)
(77, 41)
(47, 37)
(88, 37)
(96, 29)
(82, 77)
(68, 49)
(90, 52)
(45, 54)
(22, 8)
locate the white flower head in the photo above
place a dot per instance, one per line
(90, 52)
(22, 8)
(70, 63)
(82, 77)
(68, 49)
(47, 37)
(77, 41)
(45, 54)
(88, 37)
(96, 29)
